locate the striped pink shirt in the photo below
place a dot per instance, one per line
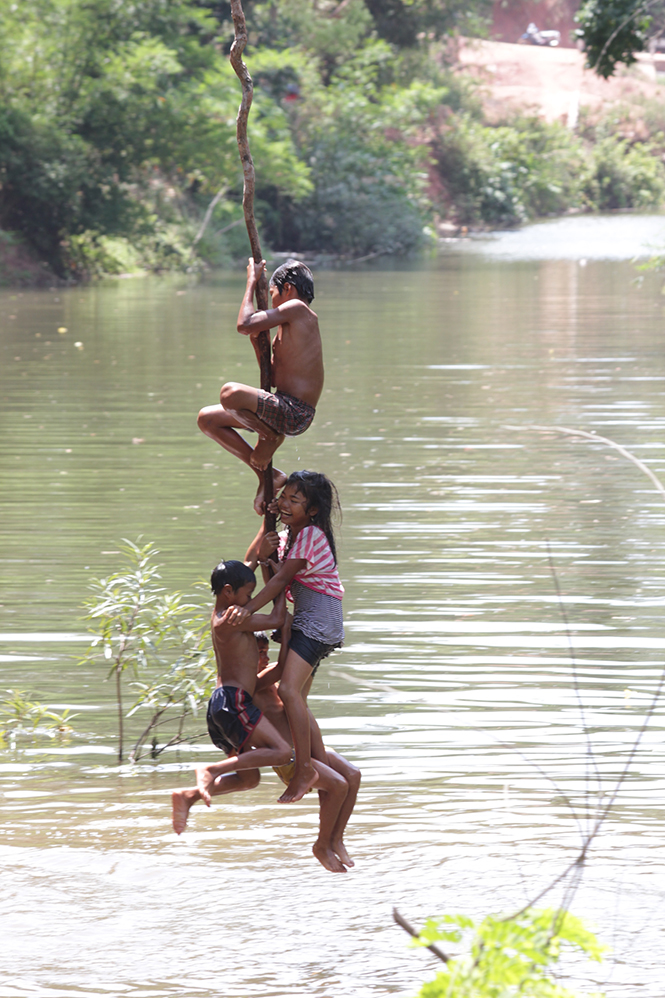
(321, 573)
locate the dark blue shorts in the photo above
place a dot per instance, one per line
(309, 649)
(232, 717)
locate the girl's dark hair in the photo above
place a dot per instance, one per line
(297, 274)
(230, 573)
(318, 491)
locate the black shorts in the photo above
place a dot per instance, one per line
(309, 649)
(232, 717)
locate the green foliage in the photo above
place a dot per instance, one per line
(624, 176)
(507, 957)
(507, 174)
(410, 22)
(361, 140)
(102, 101)
(180, 691)
(527, 169)
(20, 715)
(403, 23)
(613, 31)
(154, 634)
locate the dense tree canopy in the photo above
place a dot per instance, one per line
(117, 130)
(117, 116)
(614, 30)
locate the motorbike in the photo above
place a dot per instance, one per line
(533, 36)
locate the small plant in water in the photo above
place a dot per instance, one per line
(158, 637)
(506, 957)
(22, 715)
(177, 693)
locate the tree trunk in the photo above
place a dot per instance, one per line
(249, 180)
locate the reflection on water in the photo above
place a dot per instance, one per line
(454, 692)
(585, 237)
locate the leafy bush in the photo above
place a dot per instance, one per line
(506, 174)
(624, 176)
(21, 715)
(117, 131)
(507, 957)
(162, 640)
(500, 175)
(361, 141)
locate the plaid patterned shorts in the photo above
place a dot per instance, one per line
(284, 413)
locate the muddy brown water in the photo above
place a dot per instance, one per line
(454, 692)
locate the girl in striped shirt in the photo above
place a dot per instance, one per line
(308, 571)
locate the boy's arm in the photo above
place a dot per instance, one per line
(252, 553)
(269, 676)
(263, 621)
(251, 323)
(260, 550)
(238, 615)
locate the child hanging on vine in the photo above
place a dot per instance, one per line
(307, 570)
(296, 373)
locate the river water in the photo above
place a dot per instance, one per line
(486, 745)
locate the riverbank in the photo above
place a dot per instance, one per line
(20, 266)
(363, 143)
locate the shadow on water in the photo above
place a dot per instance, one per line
(455, 676)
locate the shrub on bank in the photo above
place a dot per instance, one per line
(624, 176)
(503, 175)
(507, 174)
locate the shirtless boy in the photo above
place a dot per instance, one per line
(249, 736)
(297, 373)
(235, 723)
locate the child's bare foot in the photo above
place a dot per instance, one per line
(262, 454)
(204, 783)
(327, 858)
(299, 785)
(340, 851)
(181, 801)
(278, 480)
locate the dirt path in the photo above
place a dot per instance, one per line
(552, 81)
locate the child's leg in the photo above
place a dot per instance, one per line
(182, 800)
(221, 425)
(333, 789)
(352, 776)
(268, 748)
(242, 402)
(296, 674)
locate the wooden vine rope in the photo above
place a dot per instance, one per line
(249, 183)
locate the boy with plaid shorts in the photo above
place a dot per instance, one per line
(297, 373)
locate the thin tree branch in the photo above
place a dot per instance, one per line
(576, 683)
(208, 215)
(642, 9)
(577, 865)
(402, 922)
(598, 439)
